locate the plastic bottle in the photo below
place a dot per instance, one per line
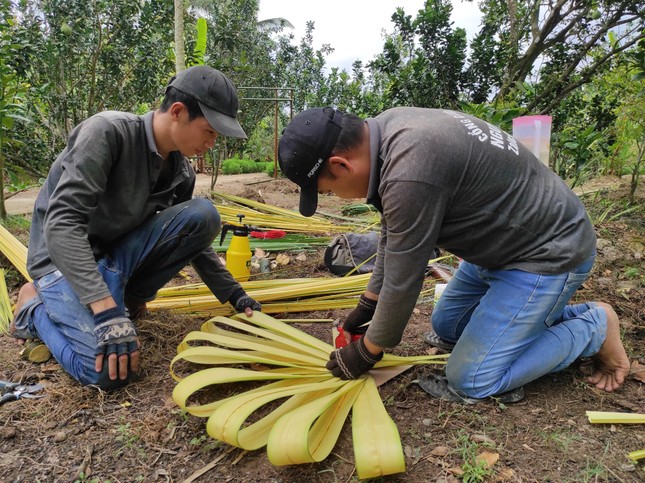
(238, 255)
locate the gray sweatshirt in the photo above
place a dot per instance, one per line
(443, 178)
(101, 187)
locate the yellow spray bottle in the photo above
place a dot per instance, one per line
(238, 255)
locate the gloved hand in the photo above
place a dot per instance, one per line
(363, 313)
(352, 361)
(115, 333)
(240, 301)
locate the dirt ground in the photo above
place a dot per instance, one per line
(138, 433)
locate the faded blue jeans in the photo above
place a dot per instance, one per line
(511, 327)
(140, 263)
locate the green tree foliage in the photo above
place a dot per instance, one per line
(90, 56)
(564, 58)
(422, 63)
(303, 68)
(521, 39)
(12, 94)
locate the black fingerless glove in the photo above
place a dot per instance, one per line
(115, 333)
(363, 313)
(240, 301)
(352, 361)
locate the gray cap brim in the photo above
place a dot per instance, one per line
(223, 124)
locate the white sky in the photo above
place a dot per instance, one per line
(354, 27)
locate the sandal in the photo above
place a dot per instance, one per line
(434, 340)
(35, 351)
(439, 387)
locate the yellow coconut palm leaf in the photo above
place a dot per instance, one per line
(302, 408)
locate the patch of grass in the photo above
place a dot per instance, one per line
(16, 223)
(128, 438)
(204, 442)
(631, 272)
(562, 439)
(475, 470)
(594, 471)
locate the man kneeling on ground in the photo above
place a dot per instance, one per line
(443, 178)
(115, 221)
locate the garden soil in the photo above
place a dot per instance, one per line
(138, 433)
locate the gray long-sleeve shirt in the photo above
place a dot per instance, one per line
(102, 186)
(443, 178)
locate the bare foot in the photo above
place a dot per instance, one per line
(27, 292)
(612, 364)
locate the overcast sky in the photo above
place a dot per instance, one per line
(354, 27)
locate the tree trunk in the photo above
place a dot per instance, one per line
(180, 55)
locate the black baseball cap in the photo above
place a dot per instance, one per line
(306, 143)
(216, 95)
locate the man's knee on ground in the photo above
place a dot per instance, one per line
(441, 326)
(461, 378)
(102, 380)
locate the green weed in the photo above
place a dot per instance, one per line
(475, 470)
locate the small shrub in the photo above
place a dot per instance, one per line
(231, 166)
(267, 167)
(237, 166)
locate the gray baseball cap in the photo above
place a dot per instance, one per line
(216, 95)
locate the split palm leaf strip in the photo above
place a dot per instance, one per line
(15, 251)
(6, 314)
(299, 411)
(607, 417)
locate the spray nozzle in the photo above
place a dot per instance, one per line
(238, 230)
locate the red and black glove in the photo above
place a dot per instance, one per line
(352, 361)
(363, 313)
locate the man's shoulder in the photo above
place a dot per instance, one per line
(112, 123)
(116, 117)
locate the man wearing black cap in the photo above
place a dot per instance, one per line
(443, 178)
(115, 220)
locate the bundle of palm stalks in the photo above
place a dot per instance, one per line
(276, 296)
(263, 215)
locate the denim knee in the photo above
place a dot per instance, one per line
(462, 378)
(203, 218)
(102, 380)
(438, 324)
(443, 325)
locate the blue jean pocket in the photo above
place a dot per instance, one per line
(65, 309)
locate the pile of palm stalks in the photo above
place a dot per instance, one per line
(262, 215)
(276, 296)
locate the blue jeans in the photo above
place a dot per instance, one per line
(511, 327)
(139, 264)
